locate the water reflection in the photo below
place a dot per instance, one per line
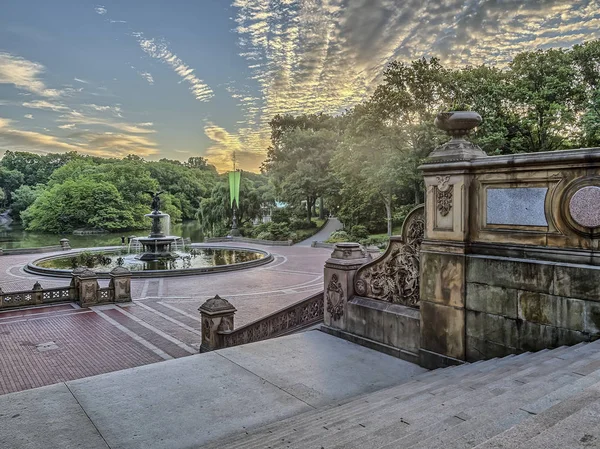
(196, 258)
(14, 236)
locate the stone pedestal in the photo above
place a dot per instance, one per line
(38, 293)
(340, 269)
(217, 318)
(64, 244)
(87, 287)
(120, 283)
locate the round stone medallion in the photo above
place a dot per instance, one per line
(585, 207)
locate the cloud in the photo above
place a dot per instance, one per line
(44, 104)
(29, 116)
(310, 56)
(147, 76)
(78, 118)
(79, 80)
(67, 126)
(94, 143)
(225, 144)
(100, 10)
(24, 75)
(117, 21)
(160, 51)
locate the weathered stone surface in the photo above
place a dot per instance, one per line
(494, 300)
(592, 318)
(534, 337)
(511, 273)
(517, 206)
(442, 278)
(492, 328)
(443, 329)
(580, 281)
(482, 349)
(584, 206)
(552, 310)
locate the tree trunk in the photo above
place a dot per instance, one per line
(321, 209)
(308, 209)
(388, 212)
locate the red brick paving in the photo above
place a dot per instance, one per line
(87, 345)
(90, 345)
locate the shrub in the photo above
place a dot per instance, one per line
(359, 232)
(338, 236)
(281, 215)
(272, 231)
(296, 224)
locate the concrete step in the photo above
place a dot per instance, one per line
(458, 406)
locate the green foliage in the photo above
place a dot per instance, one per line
(272, 231)
(282, 215)
(359, 232)
(81, 203)
(339, 236)
(296, 224)
(90, 260)
(24, 197)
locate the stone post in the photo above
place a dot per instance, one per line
(448, 183)
(120, 283)
(87, 290)
(37, 293)
(65, 245)
(1, 297)
(217, 316)
(340, 269)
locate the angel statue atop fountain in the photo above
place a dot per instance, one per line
(155, 201)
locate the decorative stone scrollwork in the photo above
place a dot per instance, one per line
(394, 277)
(335, 298)
(443, 194)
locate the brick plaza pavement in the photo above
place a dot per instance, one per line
(49, 344)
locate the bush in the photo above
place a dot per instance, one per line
(272, 231)
(359, 232)
(380, 242)
(281, 215)
(296, 224)
(338, 236)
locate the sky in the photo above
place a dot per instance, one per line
(184, 78)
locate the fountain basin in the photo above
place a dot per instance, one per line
(201, 259)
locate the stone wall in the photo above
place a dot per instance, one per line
(510, 260)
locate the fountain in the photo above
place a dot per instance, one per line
(159, 254)
(157, 245)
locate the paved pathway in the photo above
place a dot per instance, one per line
(192, 401)
(57, 343)
(333, 224)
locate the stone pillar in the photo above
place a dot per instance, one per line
(64, 243)
(448, 184)
(38, 293)
(217, 317)
(87, 288)
(340, 269)
(120, 283)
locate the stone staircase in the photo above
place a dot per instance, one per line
(546, 399)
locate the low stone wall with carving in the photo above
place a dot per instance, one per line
(84, 289)
(511, 256)
(63, 245)
(376, 302)
(218, 323)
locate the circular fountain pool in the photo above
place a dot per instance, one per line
(197, 260)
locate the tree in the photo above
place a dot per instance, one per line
(10, 180)
(546, 97)
(586, 58)
(24, 197)
(299, 165)
(80, 203)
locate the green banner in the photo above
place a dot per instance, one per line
(234, 187)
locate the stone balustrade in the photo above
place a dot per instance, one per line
(84, 289)
(218, 325)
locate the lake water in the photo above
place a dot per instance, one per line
(14, 236)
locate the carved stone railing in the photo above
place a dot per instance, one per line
(84, 289)
(394, 277)
(217, 322)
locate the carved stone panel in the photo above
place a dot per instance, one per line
(335, 298)
(394, 277)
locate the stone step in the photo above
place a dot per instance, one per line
(450, 385)
(325, 419)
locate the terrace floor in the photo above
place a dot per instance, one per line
(49, 344)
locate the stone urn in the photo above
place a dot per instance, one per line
(457, 123)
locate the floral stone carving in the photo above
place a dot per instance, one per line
(394, 277)
(443, 195)
(335, 296)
